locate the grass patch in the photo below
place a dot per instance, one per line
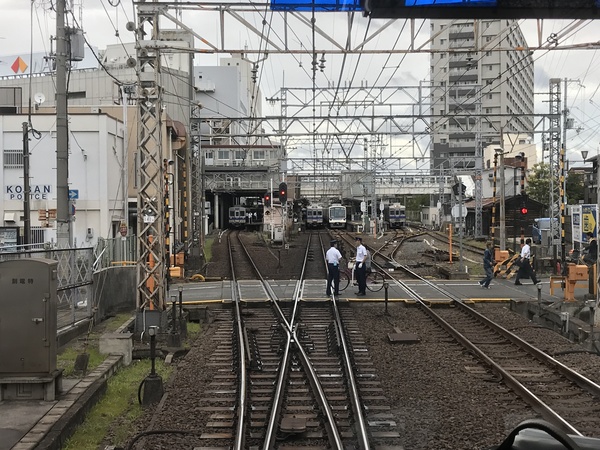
(117, 410)
(66, 359)
(67, 354)
(193, 328)
(208, 243)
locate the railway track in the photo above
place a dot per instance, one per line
(291, 375)
(559, 394)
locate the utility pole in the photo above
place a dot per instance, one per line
(26, 187)
(63, 216)
(502, 202)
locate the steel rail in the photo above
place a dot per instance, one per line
(292, 338)
(543, 409)
(239, 440)
(361, 429)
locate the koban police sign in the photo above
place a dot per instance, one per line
(37, 192)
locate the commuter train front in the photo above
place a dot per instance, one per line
(314, 216)
(395, 215)
(337, 216)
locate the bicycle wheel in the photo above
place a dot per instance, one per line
(374, 282)
(344, 280)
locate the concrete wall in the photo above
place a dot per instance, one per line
(114, 291)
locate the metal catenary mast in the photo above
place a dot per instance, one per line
(151, 266)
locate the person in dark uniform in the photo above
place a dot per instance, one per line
(591, 256)
(360, 268)
(525, 269)
(333, 257)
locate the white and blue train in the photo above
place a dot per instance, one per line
(241, 216)
(337, 216)
(395, 215)
(314, 216)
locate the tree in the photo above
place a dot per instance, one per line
(416, 202)
(575, 188)
(538, 185)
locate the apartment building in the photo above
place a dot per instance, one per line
(481, 87)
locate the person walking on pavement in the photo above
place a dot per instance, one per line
(360, 268)
(333, 257)
(525, 270)
(488, 266)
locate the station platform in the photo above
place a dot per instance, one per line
(28, 425)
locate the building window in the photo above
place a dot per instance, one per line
(240, 154)
(258, 154)
(223, 154)
(209, 154)
(13, 159)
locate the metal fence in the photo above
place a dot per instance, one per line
(74, 273)
(120, 251)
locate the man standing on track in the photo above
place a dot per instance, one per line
(360, 269)
(333, 257)
(525, 270)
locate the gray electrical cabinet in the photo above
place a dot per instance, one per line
(28, 318)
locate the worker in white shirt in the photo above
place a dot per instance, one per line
(360, 268)
(333, 257)
(525, 269)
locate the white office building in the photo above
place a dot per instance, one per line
(95, 176)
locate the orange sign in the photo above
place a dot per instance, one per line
(19, 65)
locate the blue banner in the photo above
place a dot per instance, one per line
(317, 5)
(450, 2)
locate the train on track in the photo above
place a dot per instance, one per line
(394, 215)
(315, 217)
(242, 216)
(337, 216)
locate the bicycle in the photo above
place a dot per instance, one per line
(374, 279)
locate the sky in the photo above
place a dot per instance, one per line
(24, 28)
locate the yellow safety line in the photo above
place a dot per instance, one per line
(200, 302)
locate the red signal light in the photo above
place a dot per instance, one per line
(523, 210)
